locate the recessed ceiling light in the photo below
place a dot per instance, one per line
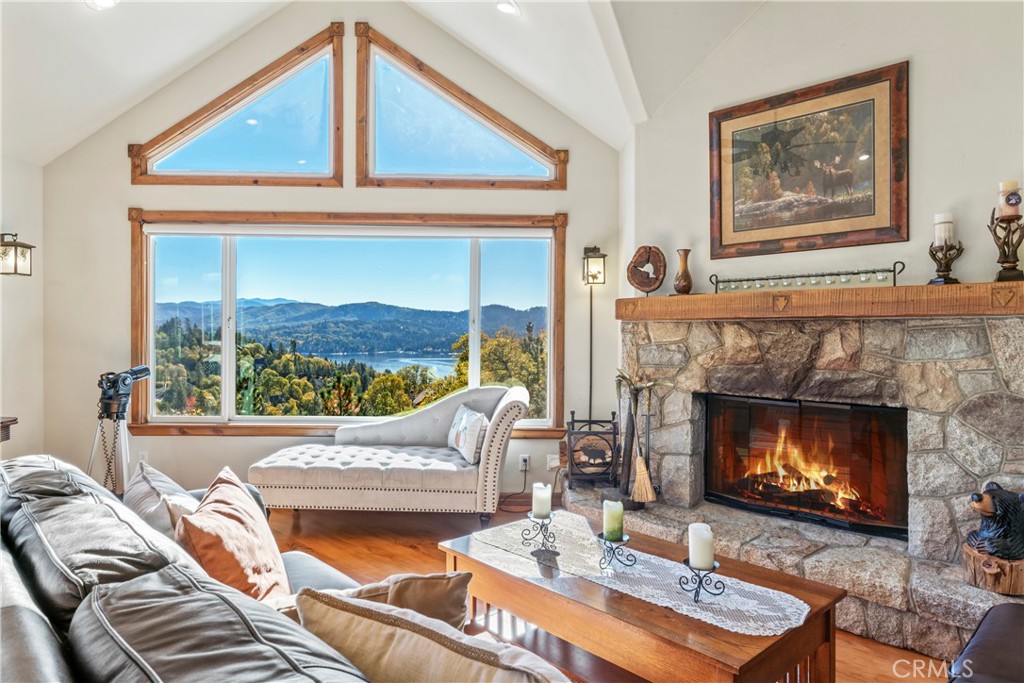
(252, 122)
(100, 5)
(864, 157)
(301, 162)
(510, 7)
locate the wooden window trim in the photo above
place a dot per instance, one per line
(141, 155)
(140, 294)
(367, 37)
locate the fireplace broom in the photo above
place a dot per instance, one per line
(643, 489)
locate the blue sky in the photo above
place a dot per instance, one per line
(419, 273)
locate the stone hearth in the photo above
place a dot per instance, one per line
(962, 381)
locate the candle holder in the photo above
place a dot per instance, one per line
(944, 255)
(700, 581)
(615, 551)
(540, 530)
(1008, 234)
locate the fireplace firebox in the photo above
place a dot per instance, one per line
(835, 464)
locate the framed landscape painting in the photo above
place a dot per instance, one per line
(820, 167)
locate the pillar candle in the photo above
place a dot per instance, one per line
(541, 500)
(943, 229)
(612, 520)
(702, 546)
(1009, 198)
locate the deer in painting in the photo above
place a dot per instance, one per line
(832, 179)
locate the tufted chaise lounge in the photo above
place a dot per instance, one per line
(401, 464)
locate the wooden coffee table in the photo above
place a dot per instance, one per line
(656, 643)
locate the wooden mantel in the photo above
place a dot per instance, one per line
(918, 301)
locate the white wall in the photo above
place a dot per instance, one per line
(966, 89)
(88, 192)
(21, 311)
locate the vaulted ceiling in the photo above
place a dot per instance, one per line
(68, 70)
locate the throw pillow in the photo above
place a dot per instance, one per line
(229, 536)
(158, 499)
(439, 596)
(467, 432)
(398, 645)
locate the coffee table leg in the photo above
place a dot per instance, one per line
(825, 656)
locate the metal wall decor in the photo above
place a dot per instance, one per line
(838, 278)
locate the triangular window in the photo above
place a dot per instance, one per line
(279, 127)
(415, 128)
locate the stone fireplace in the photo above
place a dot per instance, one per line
(957, 371)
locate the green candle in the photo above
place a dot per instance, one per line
(612, 520)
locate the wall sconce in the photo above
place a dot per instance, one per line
(15, 256)
(593, 266)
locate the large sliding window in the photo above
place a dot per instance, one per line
(249, 324)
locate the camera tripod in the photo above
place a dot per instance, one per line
(114, 454)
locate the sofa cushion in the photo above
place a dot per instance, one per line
(439, 596)
(398, 645)
(158, 499)
(467, 432)
(32, 477)
(306, 571)
(32, 650)
(177, 625)
(67, 546)
(229, 536)
(367, 467)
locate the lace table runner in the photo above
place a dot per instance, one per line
(742, 607)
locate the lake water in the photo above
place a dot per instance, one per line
(441, 365)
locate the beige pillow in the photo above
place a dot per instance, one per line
(438, 596)
(398, 645)
(158, 499)
(229, 536)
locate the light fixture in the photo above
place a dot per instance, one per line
(15, 256)
(593, 274)
(252, 122)
(593, 266)
(100, 5)
(509, 7)
(864, 157)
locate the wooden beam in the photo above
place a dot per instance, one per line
(918, 301)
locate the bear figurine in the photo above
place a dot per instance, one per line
(1001, 533)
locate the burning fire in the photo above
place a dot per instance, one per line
(786, 469)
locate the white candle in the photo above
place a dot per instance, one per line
(612, 520)
(541, 500)
(943, 229)
(702, 546)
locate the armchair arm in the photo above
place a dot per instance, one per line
(427, 426)
(511, 409)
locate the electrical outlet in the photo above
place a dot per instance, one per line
(143, 456)
(554, 462)
(524, 462)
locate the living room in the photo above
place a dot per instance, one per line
(611, 101)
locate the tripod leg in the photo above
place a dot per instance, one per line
(95, 447)
(121, 459)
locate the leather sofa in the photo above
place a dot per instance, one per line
(399, 464)
(90, 591)
(995, 652)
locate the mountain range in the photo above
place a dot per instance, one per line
(369, 327)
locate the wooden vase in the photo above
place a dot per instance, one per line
(684, 281)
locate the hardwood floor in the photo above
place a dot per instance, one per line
(370, 546)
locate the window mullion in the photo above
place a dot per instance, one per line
(228, 322)
(474, 312)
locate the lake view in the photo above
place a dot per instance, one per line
(441, 365)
